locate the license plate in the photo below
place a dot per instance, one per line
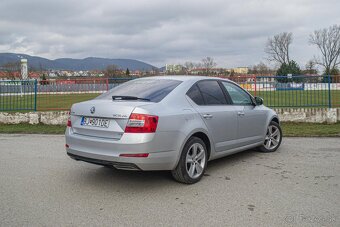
(95, 122)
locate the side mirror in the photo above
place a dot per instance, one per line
(258, 101)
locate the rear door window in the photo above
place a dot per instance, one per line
(152, 89)
(211, 92)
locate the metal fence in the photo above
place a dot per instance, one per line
(277, 91)
(295, 91)
(18, 95)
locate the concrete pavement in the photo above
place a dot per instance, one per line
(299, 185)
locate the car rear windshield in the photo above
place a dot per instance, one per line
(149, 89)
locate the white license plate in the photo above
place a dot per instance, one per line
(95, 122)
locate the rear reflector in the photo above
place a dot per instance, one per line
(142, 155)
(141, 123)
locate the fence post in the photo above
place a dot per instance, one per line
(107, 84)
(35, 94)
(329, 92)
(255, 84)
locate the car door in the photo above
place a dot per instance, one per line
(219, 117)
(251, 118)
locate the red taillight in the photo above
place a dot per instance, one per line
(142, 155)
(141, 123)
(69, 124)
(67, 146)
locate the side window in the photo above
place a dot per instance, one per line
(211, 92)
(195, 95)
(237, 94)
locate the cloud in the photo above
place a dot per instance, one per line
(159, 32)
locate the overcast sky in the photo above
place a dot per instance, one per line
(162, 31)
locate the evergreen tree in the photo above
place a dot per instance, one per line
(291, 68)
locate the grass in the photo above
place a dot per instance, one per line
(289, 129)
(32, 129)
(62, 101)
(310, 129)
(44, 102)
(292, 98)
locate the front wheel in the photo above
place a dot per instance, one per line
(273, 138)
(192, 163)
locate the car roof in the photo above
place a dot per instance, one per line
(185, 78)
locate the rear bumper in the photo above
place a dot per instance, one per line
(163, 149)
(117, 165)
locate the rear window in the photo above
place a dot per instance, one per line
(195, 95)
(153, 89)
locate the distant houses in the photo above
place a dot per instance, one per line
(176, 69)
(169, 69)
(54, 74)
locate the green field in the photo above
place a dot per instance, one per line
(44, 102)
(291, 129)
(291, 98)
(296, 98)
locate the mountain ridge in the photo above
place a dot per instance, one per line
(88, 63)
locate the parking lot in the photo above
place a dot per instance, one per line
(299, 185)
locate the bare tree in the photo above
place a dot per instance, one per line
(277, 47)
(198, 65)
(154, 71)
(12, 69)
(189, 65)
(208, 63)
(328, 42)
(112, 71)
(261, 69)
(310, 67)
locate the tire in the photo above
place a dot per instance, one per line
(273, 138)
(191, 167)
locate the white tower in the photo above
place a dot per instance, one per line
(24, 73)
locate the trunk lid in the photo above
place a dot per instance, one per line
(115, 112)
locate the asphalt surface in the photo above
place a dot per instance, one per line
(299, 185)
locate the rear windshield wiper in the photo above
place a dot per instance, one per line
(121, 97)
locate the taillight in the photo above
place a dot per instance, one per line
(142, 155)
(141, 123)
(69, 124)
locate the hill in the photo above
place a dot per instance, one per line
(90, 63)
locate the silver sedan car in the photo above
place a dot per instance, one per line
(175, 123)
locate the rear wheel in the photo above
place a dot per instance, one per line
(273, 138)
(192, 163)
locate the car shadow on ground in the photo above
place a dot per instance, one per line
(104, 176)
(231, 160)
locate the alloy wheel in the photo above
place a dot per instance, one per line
(195, 160)
(273, 137)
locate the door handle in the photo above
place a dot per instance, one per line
(207, 116)
(240, 113)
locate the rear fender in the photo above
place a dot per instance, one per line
(185, 140)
